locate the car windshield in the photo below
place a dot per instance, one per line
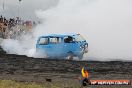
(79, 38)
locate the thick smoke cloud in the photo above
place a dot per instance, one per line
(105, 24)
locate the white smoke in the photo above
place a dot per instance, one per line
(105, 24)
(24, 46)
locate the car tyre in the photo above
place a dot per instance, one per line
(80, 57)
(70, 56)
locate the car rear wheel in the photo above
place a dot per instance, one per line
(70, 56)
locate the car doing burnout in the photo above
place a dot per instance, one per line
(62, 46)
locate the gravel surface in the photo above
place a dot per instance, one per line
(64, 72)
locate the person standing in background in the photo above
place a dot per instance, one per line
(85, 76)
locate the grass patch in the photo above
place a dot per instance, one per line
(13, 84)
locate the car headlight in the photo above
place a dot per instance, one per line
(82, 47)
(86, 46)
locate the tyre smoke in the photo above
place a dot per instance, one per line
(105, 24)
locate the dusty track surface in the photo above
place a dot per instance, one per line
(26, 69)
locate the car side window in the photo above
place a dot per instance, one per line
(55, 40)
(43, 41)
(68, 39)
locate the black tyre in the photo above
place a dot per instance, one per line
(80, 57)
(70, 56)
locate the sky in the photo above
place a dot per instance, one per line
(26, 8)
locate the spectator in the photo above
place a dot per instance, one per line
(1, 19)
(14, 27)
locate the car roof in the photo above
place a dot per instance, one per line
(59, 35)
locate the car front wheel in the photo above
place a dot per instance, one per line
(80, 57)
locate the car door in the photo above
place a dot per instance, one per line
(42, 46)
(70, 46)
(56, 48)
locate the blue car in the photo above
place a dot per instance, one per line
(62, 46)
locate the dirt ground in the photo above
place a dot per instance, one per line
(63, 73)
